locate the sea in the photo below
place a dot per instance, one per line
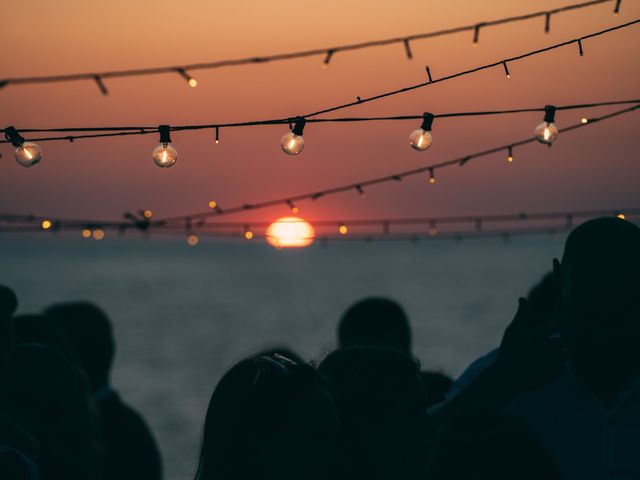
(184, 315)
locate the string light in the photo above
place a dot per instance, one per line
(342, 229)
(327, 59)
(212, 204)
(584, 120)
(253, 60)
(510, 154)
(248, 234)
(432, 177)
(506, 69)
(86, 233)
(101, 86)
(407, 48)
(616, 9)
(292, 207)
(27, 154)
(547, 132)
(192, 240)
(621, 216)
(147, 214)
(46, 224)
(165, 154)
(433, 231)
(217, 135)
(547, 22)
(476, 35)
(192, 82)
(397, 177)
(360, 191)
(98, 234)
(420, 139)
(580, 50)
(292, 142)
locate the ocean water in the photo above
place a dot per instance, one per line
(184, 315)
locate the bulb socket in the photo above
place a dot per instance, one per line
(165, 133)
(12, 135)
(549, 113)
(298, 127)
(427, 121)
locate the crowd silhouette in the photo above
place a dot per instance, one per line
(557, 399)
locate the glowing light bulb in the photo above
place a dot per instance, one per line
(86, 233)
(621, 216)
(193, 83)
(432, 177)
(290, 232)
(213, 204)
(292, 142)
(165, 154)
(547, 132)
(248, 234)
(420, 139)
(147, 214)
(510, 155)
(46, 224)
(28, 154)
(584, 120)
(192, 240)
(98, 234)
(342, 229)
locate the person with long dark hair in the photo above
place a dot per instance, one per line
(270, 416)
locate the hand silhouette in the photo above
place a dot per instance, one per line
(531, 353)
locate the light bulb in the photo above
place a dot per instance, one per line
(342, 229)
(420, 139)
(86, 233)
(192, 240)
(165, 154)
(546, 133)
(28, 154)
(46, 224)
(292, 142)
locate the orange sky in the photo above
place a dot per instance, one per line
(595, 167)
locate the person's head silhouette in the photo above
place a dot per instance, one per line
(375, 321)
(42, 330)
(600, 281)
(270, 417)
(89, 330)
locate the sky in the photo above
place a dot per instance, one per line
(595, 167)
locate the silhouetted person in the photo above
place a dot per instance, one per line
(544, 302)
(42, 330)
(382, 322)
(270, 417)
(8, 306)
(375, 321)
(489, 445)
(129, 447)
(49, 398)
(382, 408)
(586, 409)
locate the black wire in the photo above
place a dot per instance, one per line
(389, 178)
(128, 130)
(360, 100)
(94, 76)
(356, 186)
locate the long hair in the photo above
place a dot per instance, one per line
(249, 401)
